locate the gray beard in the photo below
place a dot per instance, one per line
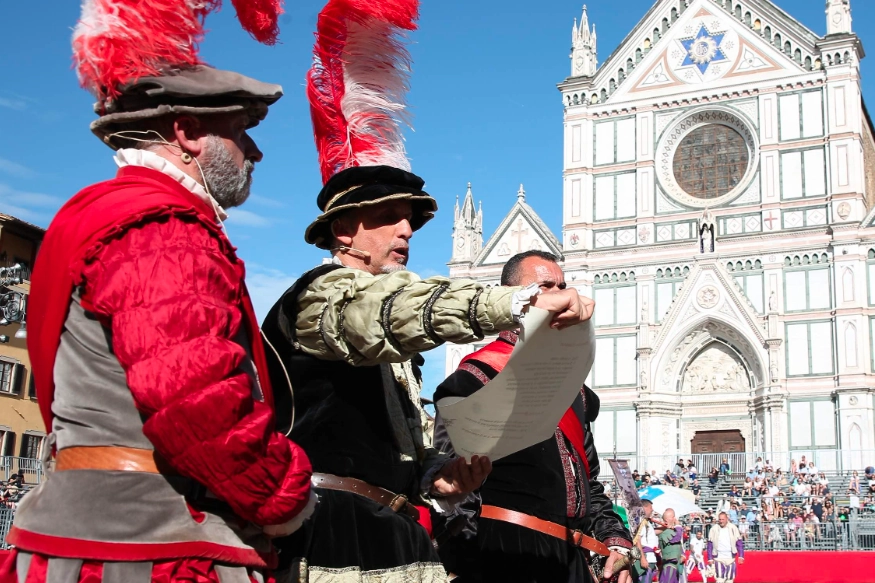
(228, 183)
(393, 267)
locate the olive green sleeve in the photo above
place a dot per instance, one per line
(363, 319)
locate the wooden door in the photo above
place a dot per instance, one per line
(726, 441)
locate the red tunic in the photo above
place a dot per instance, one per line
(153, 266)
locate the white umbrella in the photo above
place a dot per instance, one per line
(683, 502)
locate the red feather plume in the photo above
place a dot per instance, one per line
(358, 82)
(260, 18)
(118, 41)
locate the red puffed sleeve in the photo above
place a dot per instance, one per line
(172, 299)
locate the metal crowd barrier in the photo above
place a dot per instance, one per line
(839, 461)
(32, 468)
(833, 534)
(5, 522)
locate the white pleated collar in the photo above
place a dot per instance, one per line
(135, 157)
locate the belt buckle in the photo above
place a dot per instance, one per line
(577, 538)
(398, 503)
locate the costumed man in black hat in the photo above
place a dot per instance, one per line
(149, 368)
(543, 515)
(349, 334)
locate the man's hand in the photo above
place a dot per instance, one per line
(459, 477)
(644, 562)
(624, 576)
(740, 560)
(569, 306)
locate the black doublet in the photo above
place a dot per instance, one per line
(342, 422)
(546, 480)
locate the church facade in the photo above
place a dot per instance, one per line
(717, 208)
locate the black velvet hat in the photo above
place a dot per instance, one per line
(361, 186)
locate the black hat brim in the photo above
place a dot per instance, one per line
(319, 231)
(364, 186)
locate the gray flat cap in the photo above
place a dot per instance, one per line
(198, 90)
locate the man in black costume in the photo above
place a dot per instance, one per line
(550, 487)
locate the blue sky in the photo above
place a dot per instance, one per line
(486, 111)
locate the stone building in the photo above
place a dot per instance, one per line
(716, 206)
(21, 426)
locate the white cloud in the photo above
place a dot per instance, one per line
(16, 104)
(265, 202)
(244, 218)
(15, 169)
(427, 272)
(22, 213)
(21, 204)
(21, 197)
(265, 286)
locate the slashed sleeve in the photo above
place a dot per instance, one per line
(366, 320)
(172, 299)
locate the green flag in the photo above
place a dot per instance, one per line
(622, 514)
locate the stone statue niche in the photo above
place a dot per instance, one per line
(715, 369)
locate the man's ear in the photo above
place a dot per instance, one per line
(189, 132)
(341, 231)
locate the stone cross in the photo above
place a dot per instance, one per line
(519, 232)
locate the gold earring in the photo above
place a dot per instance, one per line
(186, 158)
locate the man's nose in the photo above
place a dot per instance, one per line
(252, 151)
(404, 230)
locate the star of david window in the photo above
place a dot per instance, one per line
(710, 161)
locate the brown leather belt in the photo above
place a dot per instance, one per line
(397, 502)
(111, 458)
(571, 536)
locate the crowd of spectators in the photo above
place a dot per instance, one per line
(793, 508)
(684, 475)
(12, 490)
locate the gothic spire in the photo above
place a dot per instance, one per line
(583, 47)
(467, 229)
(838, 16)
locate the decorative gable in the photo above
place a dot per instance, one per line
(521, 230)
(708, 46)
(707, 41)
(709, 291)
(710, 303)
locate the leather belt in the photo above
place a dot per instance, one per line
(573, 537)
(112, 458)
(397, 502)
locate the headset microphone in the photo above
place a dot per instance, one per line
(364, 254)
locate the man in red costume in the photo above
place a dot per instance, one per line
(145, 348)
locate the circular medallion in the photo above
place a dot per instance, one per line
(703, 50)
(708, 296)
(852, 401)
(710, 161)
(707, 158)
(844, 210)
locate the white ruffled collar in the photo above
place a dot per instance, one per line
(135, 157)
